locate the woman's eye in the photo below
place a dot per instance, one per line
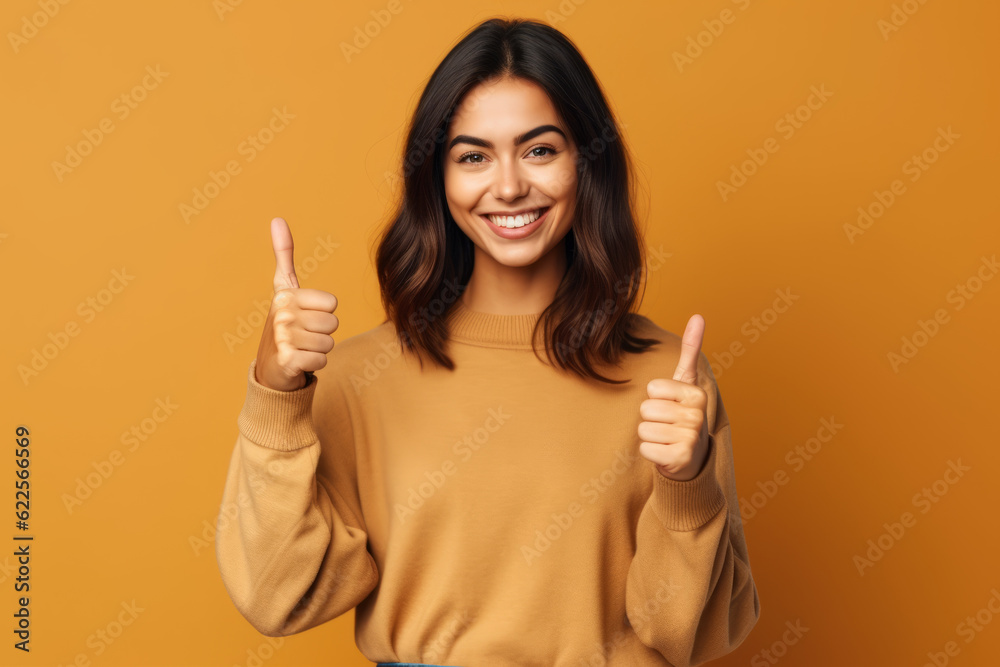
(468, 157)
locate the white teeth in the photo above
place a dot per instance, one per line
(512, 222)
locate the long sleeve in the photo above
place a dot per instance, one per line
(690, 594)
(290, 544)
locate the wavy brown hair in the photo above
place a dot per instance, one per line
(424, 260)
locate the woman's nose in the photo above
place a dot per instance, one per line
(510, 181)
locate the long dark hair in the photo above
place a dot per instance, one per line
(424, 260)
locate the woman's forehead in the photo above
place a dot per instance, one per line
(503, 110)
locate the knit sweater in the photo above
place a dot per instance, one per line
(496, 514)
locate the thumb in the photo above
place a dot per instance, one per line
(281, 240)
(687, 364)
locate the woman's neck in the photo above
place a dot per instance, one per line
(499, 289)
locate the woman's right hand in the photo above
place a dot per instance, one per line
(297, 332)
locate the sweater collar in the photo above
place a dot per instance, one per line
(491, 330)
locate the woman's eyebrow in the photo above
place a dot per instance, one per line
(518, 140)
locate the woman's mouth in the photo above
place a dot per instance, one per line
(516, 226)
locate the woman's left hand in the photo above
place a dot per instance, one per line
(675, 434)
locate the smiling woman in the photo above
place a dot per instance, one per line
(520, 186)
(490, 508)
(500, 199)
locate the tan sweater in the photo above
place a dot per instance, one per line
(497, 514)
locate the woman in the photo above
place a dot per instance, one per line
(495, 505)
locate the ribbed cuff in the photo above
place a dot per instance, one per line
(687, 505)
(277, 419)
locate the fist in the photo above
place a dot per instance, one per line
(674, 432)
(296, 336)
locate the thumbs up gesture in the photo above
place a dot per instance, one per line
(296, 336)
(675, 434)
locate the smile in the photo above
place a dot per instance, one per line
(515, 221)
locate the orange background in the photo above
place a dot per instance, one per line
(163, 336)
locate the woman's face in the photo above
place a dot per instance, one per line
(508, 152)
